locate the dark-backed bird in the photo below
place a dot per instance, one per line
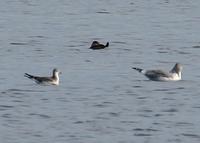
(96, 45)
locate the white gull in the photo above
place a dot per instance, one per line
(54, 79)
(160, 75)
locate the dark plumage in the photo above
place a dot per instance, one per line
(96, 45)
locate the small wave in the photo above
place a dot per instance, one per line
(119, 42)
(184, 124)
(17, 101)
(127, 49)
(147, 130)
(79, 122)
(38, 50)
(183, 53)
(196, 47)
(103, 104)
(38, 36)
(5, 107)
(99, 105)
(7, 116)
(191, 135)
(37, 135)
(143, 97)
(196, 107)
(147, 110)
(22, 90)
(129, 122)
(18, 43)
(171, 93)
(103, 12)
(142, 134)
(162, 52)
(170, 89)
(40, 115)
(113, 114)
(158, 115)
(170, 110)
(137, 86)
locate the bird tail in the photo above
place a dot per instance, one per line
(138, 69)
(107, 44)
(28, 75)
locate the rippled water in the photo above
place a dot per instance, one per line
(100, 98)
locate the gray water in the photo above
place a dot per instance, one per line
(100, 99)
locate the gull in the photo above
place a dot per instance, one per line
(54, 79)
(160, 75)
(96, 45)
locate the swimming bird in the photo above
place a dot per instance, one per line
(96, 45)
(159, 75)
(54, 79)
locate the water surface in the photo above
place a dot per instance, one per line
(100, 98)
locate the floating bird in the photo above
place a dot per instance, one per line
(96, 45)
(54, 79)
(160, 75)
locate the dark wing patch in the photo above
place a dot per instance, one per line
(154, 74)
(42, 79)
(96, 47)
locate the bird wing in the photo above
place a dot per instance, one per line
(43, 79)
(156, 74)
(39, 79)
(97, 46)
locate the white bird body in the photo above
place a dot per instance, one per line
(160, 75)
(54, 79)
